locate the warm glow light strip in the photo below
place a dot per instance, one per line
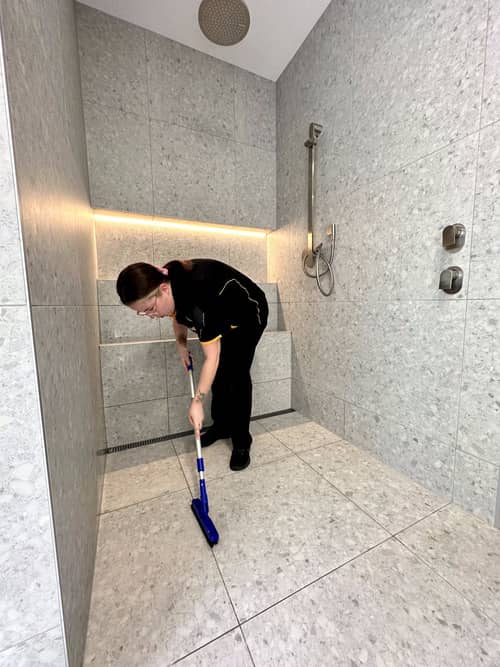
(184, 225)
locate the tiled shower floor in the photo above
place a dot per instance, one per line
(326, 557)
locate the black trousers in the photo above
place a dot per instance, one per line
(232, 386)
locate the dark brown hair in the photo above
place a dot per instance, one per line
(137, 281)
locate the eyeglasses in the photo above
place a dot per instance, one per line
(151, 309)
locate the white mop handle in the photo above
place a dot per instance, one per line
(196, 433)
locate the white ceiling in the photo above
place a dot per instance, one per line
(277, 28)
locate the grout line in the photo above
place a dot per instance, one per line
(315, 581)
(145, 500)
(199, 648)
(8, 647)
(443, 578)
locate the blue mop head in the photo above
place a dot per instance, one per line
(206, 523)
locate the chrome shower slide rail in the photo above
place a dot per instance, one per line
(314, 254)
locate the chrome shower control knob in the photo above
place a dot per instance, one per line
(451, 280)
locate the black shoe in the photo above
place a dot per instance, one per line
(240, 459)
(210, 436)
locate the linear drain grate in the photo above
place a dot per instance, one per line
(171, 436)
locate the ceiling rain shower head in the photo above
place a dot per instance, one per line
(224, 22)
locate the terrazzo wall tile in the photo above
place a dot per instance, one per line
(188, 88)
(248, 255)
(12, 284)
(133, 372)
(42, 68)
(176, 156)
(113, 61)
(323, 406)
(30, 603)
(119, 245)
(428, 461)
(396, 163)
(44, 649)
(476, 485)
(72, 417)
(122, 324)
(491, 96)
(272, 359)
(119, 155)
(136, 421)
(255, 110)
(200, 110)
(485, 268)
(436, 54)
(255, 189)
(179, 244)
(271, 396)
(177, 379)
(479, 420)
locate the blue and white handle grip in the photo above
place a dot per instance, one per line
(199, 457)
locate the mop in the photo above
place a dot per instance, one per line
(200, 505)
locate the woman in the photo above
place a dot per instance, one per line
(228, 311)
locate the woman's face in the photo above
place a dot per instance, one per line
(159, 303)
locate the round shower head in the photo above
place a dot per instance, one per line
(224, 22)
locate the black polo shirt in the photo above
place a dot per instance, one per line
(213, 298)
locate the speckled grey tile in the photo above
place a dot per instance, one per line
(133, 372)
(320, 405)
(479, 421)
(271, 292)
(272, 359)
(227, 651)
(301, 437)
(119, 245)
(272, 318)
(271, 396)
(265, 448)
(112, 61)
(255, 110)
(120, 324)
(416, 202)
(384, 608)
(465, 551)
(189, 88)
(12, 286)
(150, 597)
(436, 54)
(178, 407)
(484, 269)
(44, 649)
(176, 156)
(177, 378)
(255, 189)
(402, 372)
(476, 485)
(106, 293)
(249, 256)
(136, 421)
(424, 459)
(30, 601)
(491, 97)
(386, 495)
(119, 155)
(140, 474)
(70, 391)
(318, 530)
(171, 244)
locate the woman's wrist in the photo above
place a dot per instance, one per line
(199, 396)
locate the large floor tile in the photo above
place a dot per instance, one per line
(465, 551)
(305, 436)
(384, 608)
(157, 592)
(281, 527)
(140, 474)
(265, 448)
(388, 496)
(227, 651)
